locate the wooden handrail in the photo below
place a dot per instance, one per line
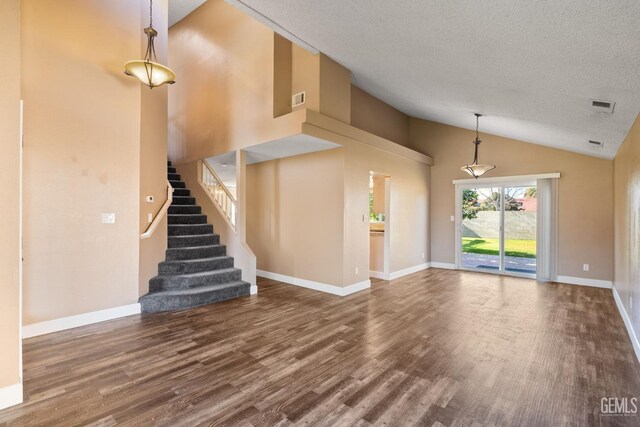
(160, 214)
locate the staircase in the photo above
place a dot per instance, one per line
(197, 270)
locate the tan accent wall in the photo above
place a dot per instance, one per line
(153, 151)
(626, 167)
(10, 178)
(223, 99)
(308, 216)
(295, 215)
(81, 156)
(585, 197)
(370, 114)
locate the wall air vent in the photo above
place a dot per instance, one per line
(596, 144)
(298, 99)
(603, 106)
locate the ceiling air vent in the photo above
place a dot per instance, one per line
(298, 99)
(603, 106)
(596, 144)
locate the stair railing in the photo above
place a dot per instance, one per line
(161, 213)
(218, 193)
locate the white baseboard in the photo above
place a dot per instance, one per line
(376, 274)
(584, 282)
(316, 286)
(63, 323)
(405, 271)
(10, 395)
(627, 323)
(445, 265)
(253, 290)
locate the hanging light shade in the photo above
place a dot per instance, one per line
(475, 169)
(148, 70)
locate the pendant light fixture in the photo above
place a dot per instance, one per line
(148, 70)
(474, 169)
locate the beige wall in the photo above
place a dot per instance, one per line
(81, 156)
(153, 151)
(10, 178)
(376, 252)
(626, 167)
(308, 215)
(295, 215)
(223, 99)
(408, 218)
(370, 114)
(585, 198)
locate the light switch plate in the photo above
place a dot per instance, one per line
(108, 218)
(149, 199)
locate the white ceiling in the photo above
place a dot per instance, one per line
(178, 9)
(531, 67)
(225, 164)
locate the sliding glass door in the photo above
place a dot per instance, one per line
(498, 229)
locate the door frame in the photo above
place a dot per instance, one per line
(464, 184)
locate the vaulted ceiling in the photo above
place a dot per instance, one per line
(531, 68)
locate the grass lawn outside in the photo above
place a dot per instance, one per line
(515, 248)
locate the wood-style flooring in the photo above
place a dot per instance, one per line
(434, 348)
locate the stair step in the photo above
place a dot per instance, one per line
(184, 210)
(189, 229)
(174, 177)
(187, 219)
(182, 299)
(168, 162)
(194, 240)
(177, 184)
(181, 192)
(195, 252)
(194, 265)
(181, 200)
(194, 280)
(171, 170)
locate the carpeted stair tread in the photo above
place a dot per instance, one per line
(183, 200)
(195, 252)
(174, 177)
(177, 184)
(187, 298)
(171, 170)
(185, 209)
(189, 229)
(193, 240)
(194, 280)
(181, 192)
(178, 219)
(196, 265)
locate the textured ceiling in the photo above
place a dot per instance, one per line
(178, 9)
(531, 67)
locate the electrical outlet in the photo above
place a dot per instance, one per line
(108, 218)
(585, 267)
(150, 218)
(422, 255)
(356, 270)
(452, 218)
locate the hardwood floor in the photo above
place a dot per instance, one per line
(434, 348)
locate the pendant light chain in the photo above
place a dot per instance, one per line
(151, 13)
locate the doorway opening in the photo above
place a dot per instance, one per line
(379, 230)
(497, 230)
